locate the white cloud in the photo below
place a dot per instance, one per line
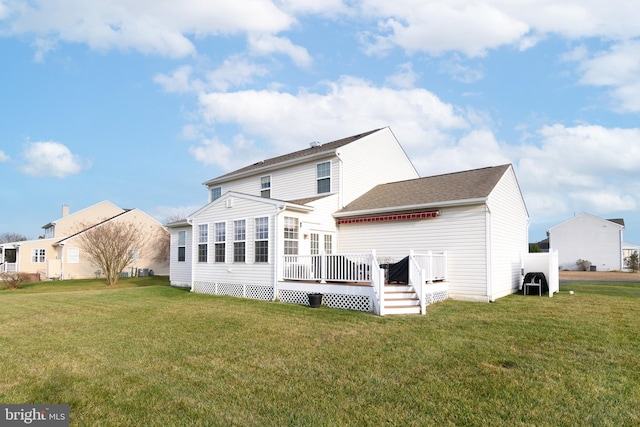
(581, 168)
(179, 81)
(405, 78)
(619, 69)
(157, 27)
(236, 71)
(266, 45)
(51, 159)
(240, 152)
(288, 120)
(473, 28)
(4, 157)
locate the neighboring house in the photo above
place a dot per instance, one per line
(58, 254)
(327, 218)
(591, 238)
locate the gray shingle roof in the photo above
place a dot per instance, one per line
(473, 184)
(329, 146)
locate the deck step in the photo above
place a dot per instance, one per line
(400, 299)
(404, 309)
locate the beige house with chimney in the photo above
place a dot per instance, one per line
(58, 255)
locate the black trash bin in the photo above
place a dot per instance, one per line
(315, 300)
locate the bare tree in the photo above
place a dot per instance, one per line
(163, 248)
(113, 245)
(12, 237)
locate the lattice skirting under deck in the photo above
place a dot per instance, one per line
(346, 302)
(241, 290)
(436, 293)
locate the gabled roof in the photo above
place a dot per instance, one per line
(617, 221)
(296, 155)
(64, 239)
(469, 186)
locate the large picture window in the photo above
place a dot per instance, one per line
(239, 240)
(323, 175)
(220, 245)
(262, 240)
(291, 229)
(203, 242)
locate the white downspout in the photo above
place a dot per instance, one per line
(276, 257)
(193, 264)
(489, 254)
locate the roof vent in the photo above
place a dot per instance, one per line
(314, 144)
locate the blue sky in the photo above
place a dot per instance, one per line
(139, 102)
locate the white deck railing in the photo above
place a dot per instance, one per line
(424, 269)
(9, 267)
(433, 263)
(328, 267)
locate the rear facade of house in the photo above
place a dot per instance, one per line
(356, 202)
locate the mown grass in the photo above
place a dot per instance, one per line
(148, 354)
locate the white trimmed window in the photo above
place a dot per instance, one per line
(203, 242)
(239, 240)
(262, 240)
(291, 230)
(265, 186)
(323, 176)
(182, 245)
(328, 244)
(220, 242)
(73, 255)
(38, 255)
(216, 193)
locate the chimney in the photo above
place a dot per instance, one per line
(65, 210)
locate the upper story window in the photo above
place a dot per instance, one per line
(38, 255)
(323, 176)
(182, 245)
(50, 232)
(265, 186)
(216, 193)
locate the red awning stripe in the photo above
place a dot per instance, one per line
(397, 217)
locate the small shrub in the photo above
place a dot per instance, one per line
(633, 262)
(13, 279)
(583, 264)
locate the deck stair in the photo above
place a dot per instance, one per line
(400, 299)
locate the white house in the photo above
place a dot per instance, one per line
(591, 238)
(338, 218)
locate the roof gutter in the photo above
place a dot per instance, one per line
(373, 211)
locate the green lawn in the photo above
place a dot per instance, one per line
(145, 354)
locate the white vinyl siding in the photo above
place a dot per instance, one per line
(461, 231)
(227, 210)
(587, 237)
(509, 236)
(370, 161)
(180, 272)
